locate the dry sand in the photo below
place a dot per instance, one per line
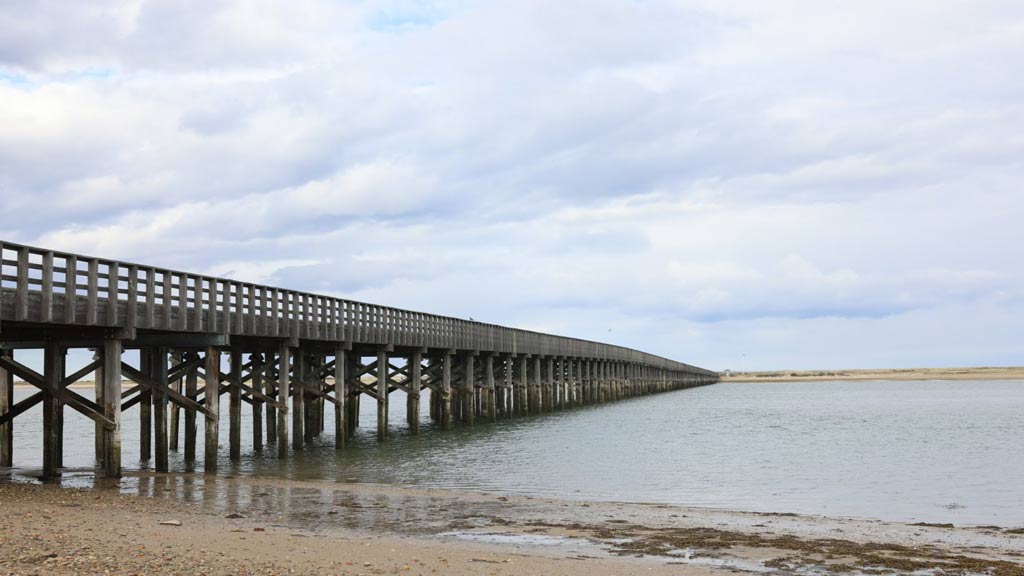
(270, 526)
(981, 373)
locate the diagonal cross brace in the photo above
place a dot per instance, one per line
(156, 385)
(76, 401)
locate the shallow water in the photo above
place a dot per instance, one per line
(910, 451)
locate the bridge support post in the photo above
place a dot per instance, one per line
(570, 374)
(433, 407)
(538, 386)
(585, 381)
(492, 399)
(504, 395)
(446, 391)
(602, 393)
(283, 383)
(235, 406)
(383, 384)
(146, 407)
(469, 390)
(310, 382)
(522, 383)
(340, 394)
(354, 393)
(549, 384)
(257, 405)
(160, 409)
(192, 393)
(212, 396)
(415, 386)
(111, 406)
(52, 375)
(175, 418)
(271, 391)
(556, 382)
(299, 400)
(6, 401)
(98, 391)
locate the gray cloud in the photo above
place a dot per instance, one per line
(791, 184)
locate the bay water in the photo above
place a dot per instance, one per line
(920, 451)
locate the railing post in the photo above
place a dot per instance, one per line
(21, 286)
(46, 298)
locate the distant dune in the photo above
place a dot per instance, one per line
(980, 373)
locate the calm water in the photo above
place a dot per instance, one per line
(913, 451)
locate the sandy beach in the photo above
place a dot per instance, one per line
(174, 524)
(977, 373)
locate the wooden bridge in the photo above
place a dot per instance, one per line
(280, 344)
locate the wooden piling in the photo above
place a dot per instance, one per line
(309, 381)
(175, 408)
(382, 395)
(145, 407)
(235, 406)
(212, 397)
(283, 383)
(60, 408)
(299, 400)
(192, 393)
(538, 383)
(352, 391)
(549, 384)
(257, 405)
(492, 411)
(52, 374)
(270, 378)
(415, 387)
(98, 391)
(160, 410)
(468, 389)
(6, 402)
(446, 391)
(340, 392)
(111, 406)
(507, 389)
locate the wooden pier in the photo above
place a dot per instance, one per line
(288, 355)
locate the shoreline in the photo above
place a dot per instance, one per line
(232, 525)
(895, 375)
(852, 375)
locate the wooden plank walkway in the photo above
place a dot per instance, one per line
(289, 354)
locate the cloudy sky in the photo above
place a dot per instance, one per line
(735, 184)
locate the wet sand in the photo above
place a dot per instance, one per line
(978, 373)
(273, 526)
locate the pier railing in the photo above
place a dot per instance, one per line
(49, 286)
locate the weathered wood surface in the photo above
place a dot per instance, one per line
(311, 349)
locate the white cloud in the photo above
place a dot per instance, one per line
(783, 180)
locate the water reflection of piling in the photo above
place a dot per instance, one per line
(286, 354)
